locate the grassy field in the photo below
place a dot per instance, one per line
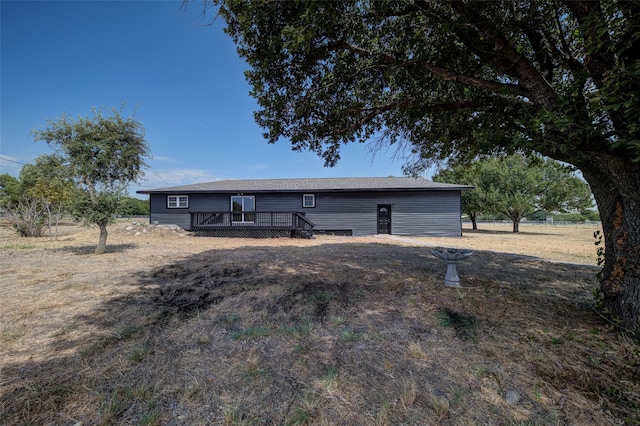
(170, 329)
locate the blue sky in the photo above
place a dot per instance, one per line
(183, 80)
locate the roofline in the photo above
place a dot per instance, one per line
(316, 185)
(264, 191)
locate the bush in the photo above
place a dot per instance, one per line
(134, 207)
(28, 217)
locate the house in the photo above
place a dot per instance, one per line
(302, 207)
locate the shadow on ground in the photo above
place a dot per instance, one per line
(91, 249)
(332, 334)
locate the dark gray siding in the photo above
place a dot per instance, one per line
(434, 213)
(183, 220)
(164, 216)
(412, 213)
(285, 202)
(209, 202)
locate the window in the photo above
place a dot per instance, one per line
(308, 200)
(177, 201)
(241, 208)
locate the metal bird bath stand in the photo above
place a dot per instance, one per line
(451, 257)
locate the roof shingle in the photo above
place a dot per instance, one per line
(311, 184)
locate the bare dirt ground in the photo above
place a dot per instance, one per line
(167, 328)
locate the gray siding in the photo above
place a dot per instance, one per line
(183, 220)
(412, 213)
(165, 216)
(286, 202)
(209, 202)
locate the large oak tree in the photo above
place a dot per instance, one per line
(459, 78)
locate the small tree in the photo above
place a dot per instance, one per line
(473, 202)
(104, 153)
(9, 190)
(49, 181)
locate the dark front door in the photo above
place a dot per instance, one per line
(384, 218)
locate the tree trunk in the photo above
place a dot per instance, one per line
(57, 221)
(474, 221)
(49, 215)
(615, 183)
(102, 242)
(515, 215)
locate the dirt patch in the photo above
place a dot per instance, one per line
(166, 328)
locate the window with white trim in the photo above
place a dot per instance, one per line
(177, 201)
(308, 200)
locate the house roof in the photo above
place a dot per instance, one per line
(311, 185)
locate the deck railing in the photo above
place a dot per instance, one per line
(209, 221)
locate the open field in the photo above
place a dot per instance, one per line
(570, 243)
(170, 329)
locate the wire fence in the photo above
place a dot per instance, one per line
(587, 223)
(132, 216)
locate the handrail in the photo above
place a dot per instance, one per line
(306, 223)
(250, 219)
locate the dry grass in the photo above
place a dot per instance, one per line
(170, 329)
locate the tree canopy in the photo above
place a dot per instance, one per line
(48, 181)
(9, 189)
(103, 154)
(460, 78)
(473, 202)
(449, 77)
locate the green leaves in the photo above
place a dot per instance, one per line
(48, 179)
(457, 80)
(101, 155)
(518, 186)
(100, 149)
(445, 79)
(100, 210)
(9, 190)
(473, 202)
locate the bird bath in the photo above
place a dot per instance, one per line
(451, 257)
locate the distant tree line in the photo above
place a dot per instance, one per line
(518, 186)
(588, 215)
(95, 159)
(33, 214)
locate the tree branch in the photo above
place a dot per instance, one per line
(516, 65)
(499, 88)
(442, 73)
(368, 117)
(374, 111)
(91, 190)
(590, 12)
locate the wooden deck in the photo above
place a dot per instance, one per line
(251, 224)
